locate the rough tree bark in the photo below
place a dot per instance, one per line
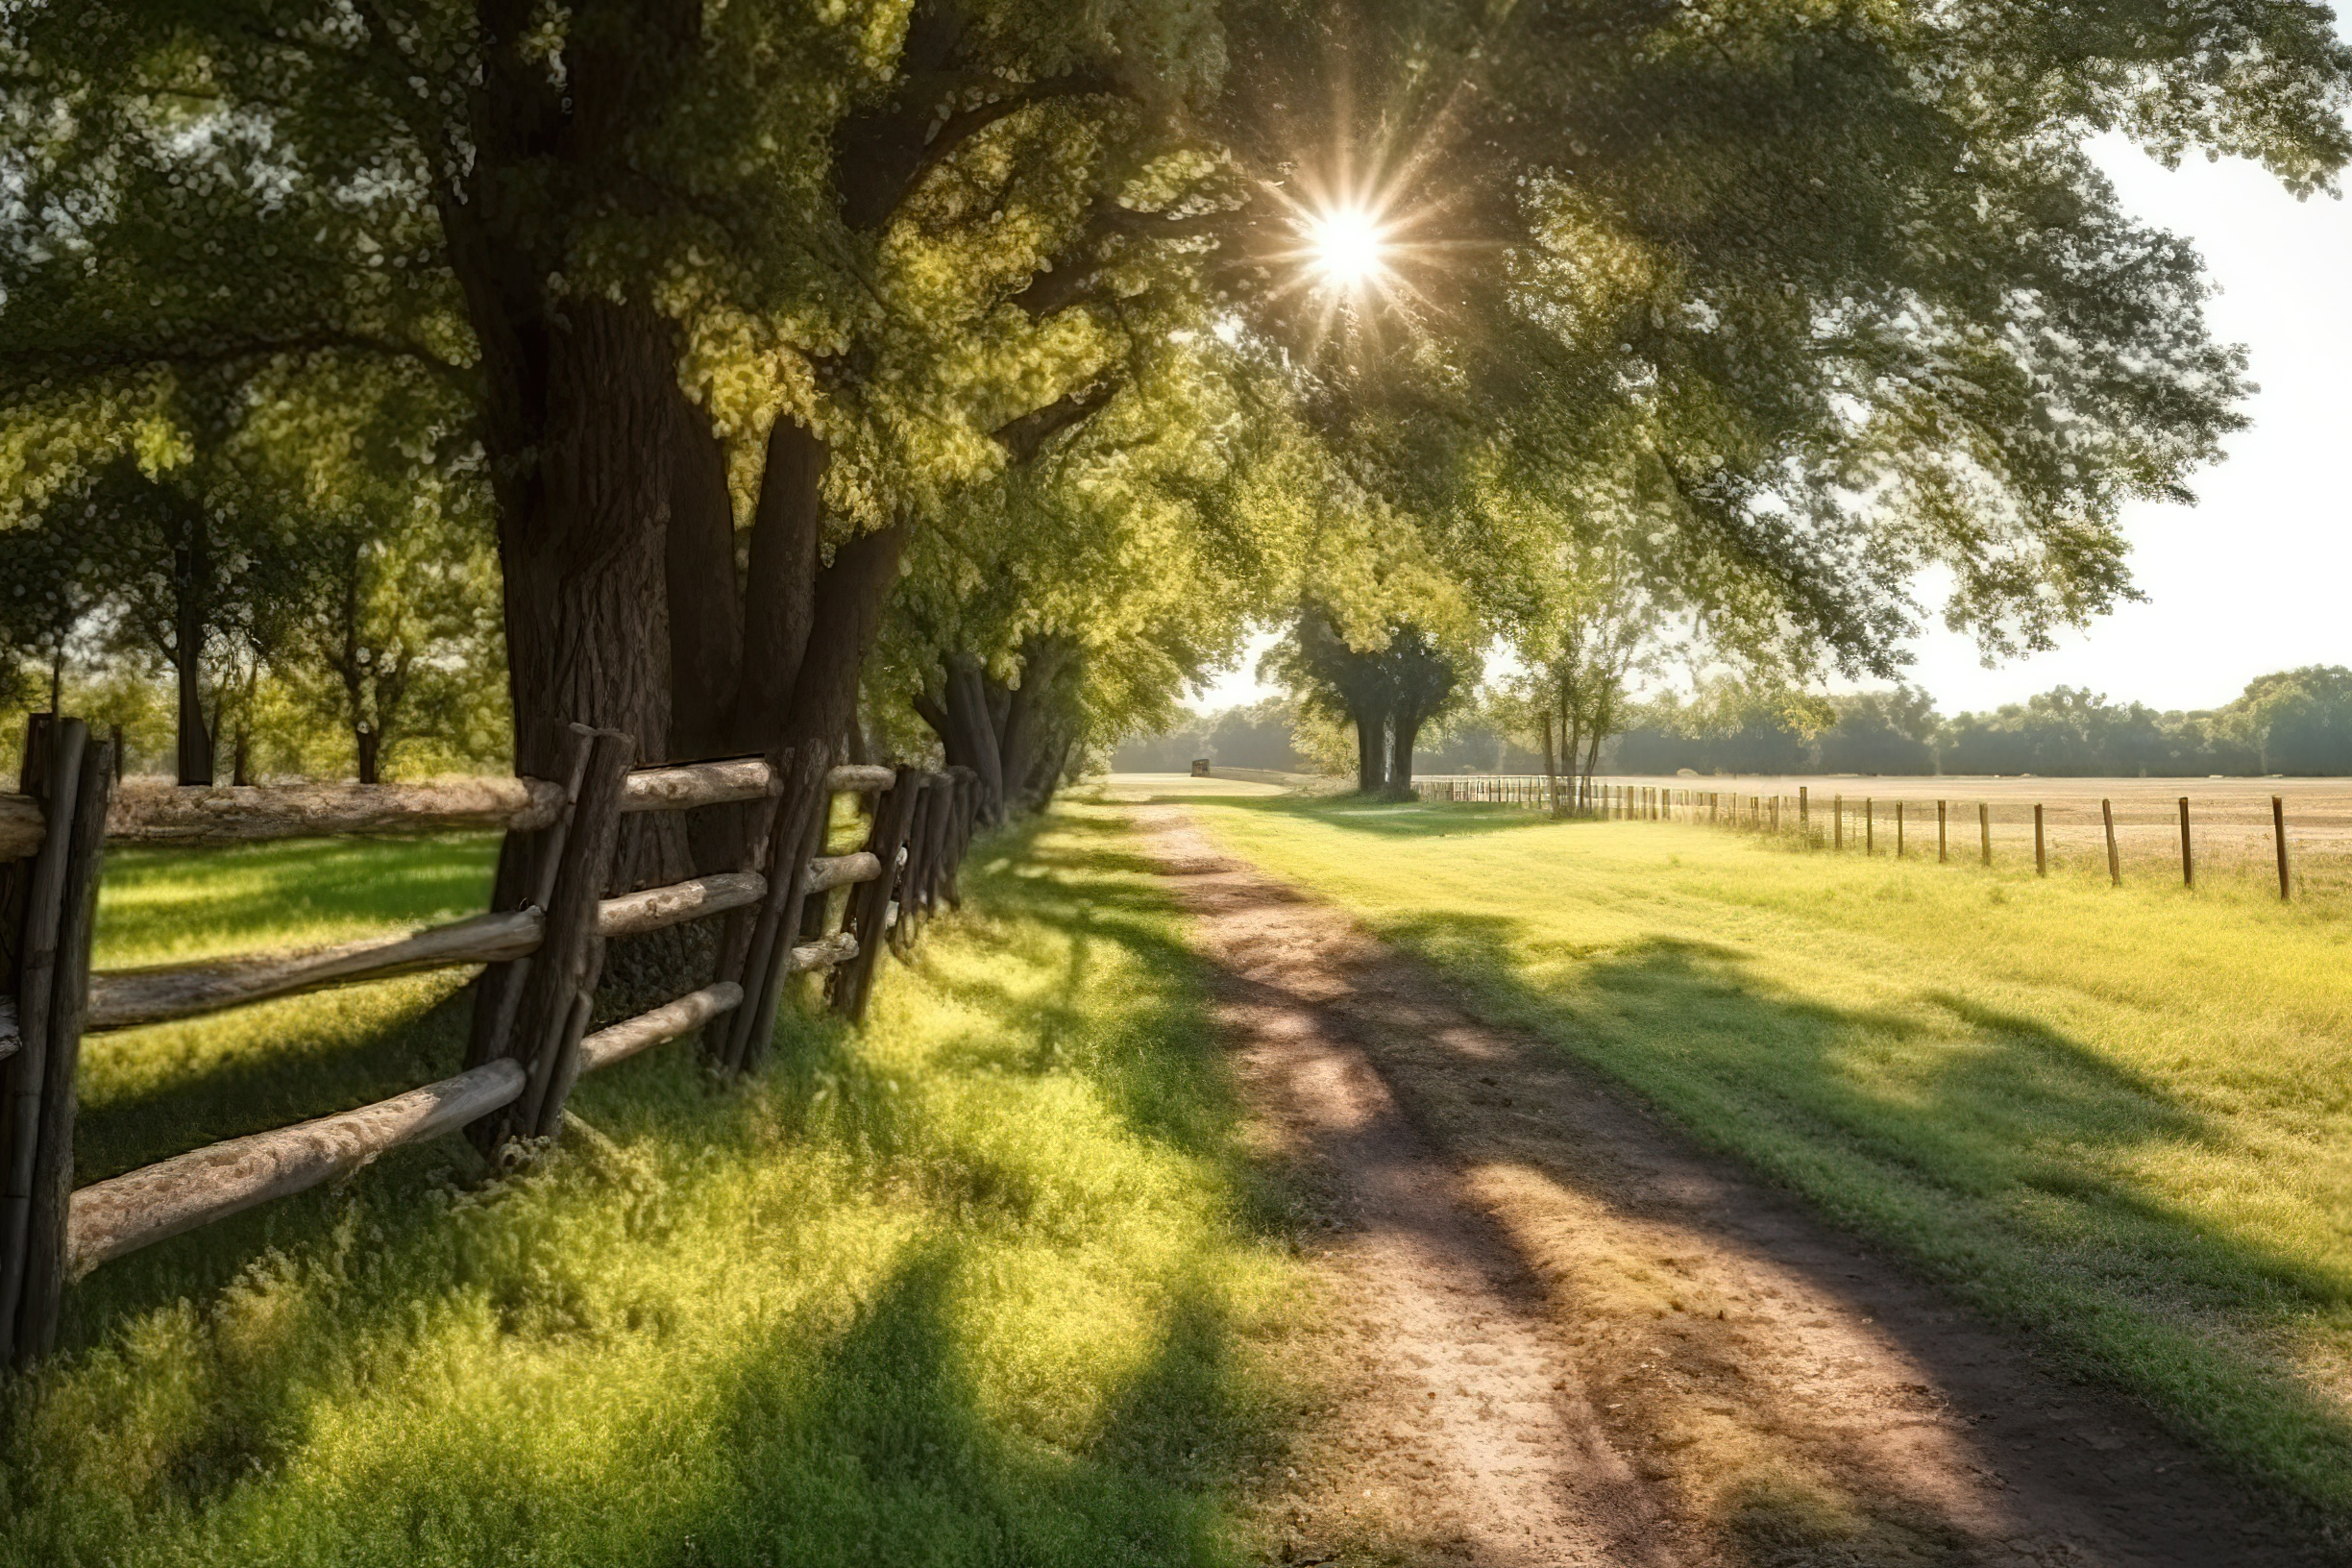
(1403, 732)
(1371, 722)
(191, 571)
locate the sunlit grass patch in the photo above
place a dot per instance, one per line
(2118, 1116)
(989, 1281)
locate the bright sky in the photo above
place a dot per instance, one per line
(2255, 577)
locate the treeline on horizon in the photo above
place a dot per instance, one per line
(2294, 721)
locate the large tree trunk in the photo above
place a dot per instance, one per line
(582, 543)
(1552, 789)
(1371, 741)
(978, 743)
(191, 572)
(369, 745)
(1029, 714)
(1405, 729)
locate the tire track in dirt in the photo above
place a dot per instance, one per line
(1568, 1338)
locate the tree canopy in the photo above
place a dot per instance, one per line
(754, 338)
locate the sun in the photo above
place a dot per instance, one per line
(1347, 248)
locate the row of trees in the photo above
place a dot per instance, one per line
(2297, 722)
(204, 613)
(961, 373)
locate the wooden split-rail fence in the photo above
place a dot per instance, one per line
(542, 960)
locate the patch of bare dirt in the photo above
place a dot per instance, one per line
(1562, 1335)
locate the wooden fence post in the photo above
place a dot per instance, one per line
(2278, 834)
(45, 1277)
(498, 989)
(1804, 814)
(1898, 830)
(795, 832)
(2041, 856)
(1984, 829)
(869, 911)
(2187, 863)
(51, 775)
(1837, 810)
(967, 782)
(73, 780)
(1943, 841)
(552, 1011)
(2114, 864)
(1870, 825)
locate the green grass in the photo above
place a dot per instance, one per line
(2120, 1118)
(989, 1281)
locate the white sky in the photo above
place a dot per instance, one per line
(2254, 577)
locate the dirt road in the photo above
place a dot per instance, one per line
(1564, 1337)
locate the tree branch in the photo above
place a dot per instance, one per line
(1076, 275)
(1026, 436)
(882, 156)
(228, 350)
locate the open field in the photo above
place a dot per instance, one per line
(992, 1279)
(2229, 818)
(2116, 1119)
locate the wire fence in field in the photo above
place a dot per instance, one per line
(2290, 837)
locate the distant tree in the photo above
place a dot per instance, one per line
(1891, 732)
(1257, 736)
(395, 632)
(53, 575)
(1590, 622)
(1388, 688)
(198, 578)
(2298, 721)
(1730, 724)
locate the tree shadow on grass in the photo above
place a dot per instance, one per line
(889, 1454)
(1996, 1153)
(261, 1068)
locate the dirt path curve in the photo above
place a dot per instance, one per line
(1565, 1337)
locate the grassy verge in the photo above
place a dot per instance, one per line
(990, 1281)
(2118, 1118)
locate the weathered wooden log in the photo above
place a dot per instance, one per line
(12, 1035)
(829, 871)
(825, 953)
(667, 1022)
(21, 826)
(692, 784)
(253, 815)
(130, 999)
(632, 913)
(46, 1261)
(126, 1212)
(859, 778)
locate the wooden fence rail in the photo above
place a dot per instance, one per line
(542, 962)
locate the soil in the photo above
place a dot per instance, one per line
(1561, 1335)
